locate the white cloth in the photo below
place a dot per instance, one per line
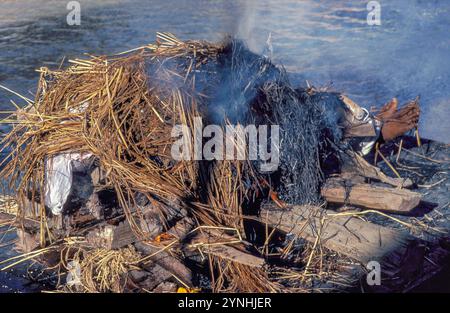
(58, 179)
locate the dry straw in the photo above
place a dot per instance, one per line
(121, 109)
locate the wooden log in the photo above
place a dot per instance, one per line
(167, 261)
(151, 224)
(399, 201)
(156, 215)
(405, 261)
(115, 236)
(357, 239)
(102, 204)
(216, 244)
(152, 275)
(233, 254)
(182, 228)
(362, 167)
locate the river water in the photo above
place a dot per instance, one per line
(324, 42)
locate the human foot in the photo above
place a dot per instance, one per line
(401, 121)
(387, 110)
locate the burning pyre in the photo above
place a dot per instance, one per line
(135, 219)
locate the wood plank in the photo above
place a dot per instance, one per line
(220, 244)
(400, 201)
(357, 239)
(213, 243)
(233, 254)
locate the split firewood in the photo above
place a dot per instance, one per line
(151, 224)
(398, 201)
(152, 275)
(231, 253)
(367, 170)
(401, 255)
(115, 236)
(225, 247)
(216, 242)
(406, 261)
(167, 261)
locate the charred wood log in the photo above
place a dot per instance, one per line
(158, 216)
(167, 261)
(152, 275)
(182, 228)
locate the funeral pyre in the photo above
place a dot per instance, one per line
(101, 200)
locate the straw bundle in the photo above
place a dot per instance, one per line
(121, 110)
(112, 109)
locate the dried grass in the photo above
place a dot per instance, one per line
(121, 109)
(104, 270)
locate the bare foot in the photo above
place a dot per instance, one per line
(387, 110)
(401, 121)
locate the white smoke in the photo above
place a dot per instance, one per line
(408, 55)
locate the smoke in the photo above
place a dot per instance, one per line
(246, 26)
(320, 41)
(435, 121)
(331, 43)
